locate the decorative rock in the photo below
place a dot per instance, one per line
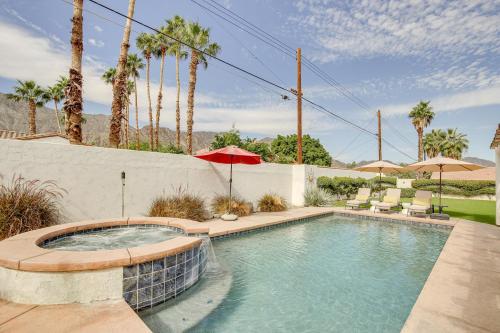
(229, 217)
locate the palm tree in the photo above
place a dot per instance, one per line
(56, 94)
(455, 144)
(34, 95)
(176, 27)
(163, 43)
(199, 40)
(421, 116)
(74, 101)
(120, 86)
(146, 43)
(134, 64)
(109, 76)
(433, 142)
(126, 117)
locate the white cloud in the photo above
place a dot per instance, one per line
(96, 43)
(98, 28)
(452, 102)
(366, 28)
(45, 64)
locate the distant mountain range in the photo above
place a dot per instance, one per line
(13, 116)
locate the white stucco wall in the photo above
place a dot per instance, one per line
(497, 160)
(92, 176)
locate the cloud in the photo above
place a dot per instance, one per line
(96, 43)
(251, 113)
(452, 102)
(98, 28)
(370, 28)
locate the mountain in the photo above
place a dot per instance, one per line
(480, 161)
(14, 115)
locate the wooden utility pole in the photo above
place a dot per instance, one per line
(379, 136)
(299, 107)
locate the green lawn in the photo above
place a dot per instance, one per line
(475, 210)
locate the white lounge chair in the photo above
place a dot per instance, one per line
(391, 200)
(360, 199)
(421, 203)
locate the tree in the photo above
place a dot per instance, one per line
(257, 147)
(285, 149)
(56, 94)
(34, 95)
(421, 116)
(163, 43)
(433, 142)
(146, 43)
(134, 64)
(120, 86)
(73, 106)
(176, 27)
(455, 144)
(109, 76)
(230, 138)
(199, 40)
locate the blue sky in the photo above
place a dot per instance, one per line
(389, 54)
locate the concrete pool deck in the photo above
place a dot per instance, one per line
(461, 294)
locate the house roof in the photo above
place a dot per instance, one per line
(481, 174)
(496, 139)
(42, 136)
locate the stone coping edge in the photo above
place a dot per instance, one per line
(22, 252)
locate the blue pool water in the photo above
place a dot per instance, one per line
(334, 274)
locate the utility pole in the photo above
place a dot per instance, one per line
(379, 136)
(299, 107)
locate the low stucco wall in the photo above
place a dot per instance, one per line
(92, 177)
(61, 287)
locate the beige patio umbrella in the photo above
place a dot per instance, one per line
(380, 166)
(442, 164)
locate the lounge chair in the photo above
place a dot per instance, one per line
(421, 203)
(360, 199)
(391, 200)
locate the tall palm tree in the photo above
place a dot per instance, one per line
(176, 27)
(56, 94)
(433, 142)
(120, 86)
(34, 95)
(455, 144)
(146, 43)
(163, 43)
(73, 105)
(199, 39)
(126, 117)
(421, 116)
(134, 64)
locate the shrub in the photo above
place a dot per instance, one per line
(220, 205)
(272, 203)
(181, 205)
(317, 197)
(457, 187)
(27, 205)
(341, 186)
(408, 192)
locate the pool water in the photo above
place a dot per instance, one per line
(112, 238)
(334, 274)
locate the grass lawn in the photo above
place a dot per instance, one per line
(475, 210)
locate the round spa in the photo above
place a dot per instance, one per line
(145, 261)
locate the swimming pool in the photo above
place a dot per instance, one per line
(333, 274)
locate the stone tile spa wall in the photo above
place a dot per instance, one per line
(154, 282)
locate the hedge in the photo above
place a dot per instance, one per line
(408, 192)
(341, 186)
(466, 188)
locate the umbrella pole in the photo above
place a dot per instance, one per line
(440, 188)
(230, 184)
(379, 184)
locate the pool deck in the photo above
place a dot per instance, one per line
(462, 293)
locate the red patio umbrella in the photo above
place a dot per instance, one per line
(230, 155)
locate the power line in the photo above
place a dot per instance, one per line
(238, 68)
